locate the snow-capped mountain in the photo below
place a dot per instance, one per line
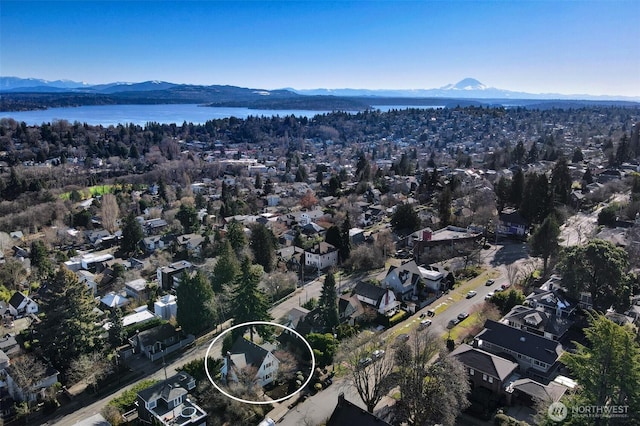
(466, 84)
(468, 88)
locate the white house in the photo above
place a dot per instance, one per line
(383, 299)
(406, 278)
(89, 279)
(166, 307)
(32, 390)
(21, 305)
(247, 355)
(321, 256)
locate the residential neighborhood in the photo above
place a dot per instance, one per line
(515, 231)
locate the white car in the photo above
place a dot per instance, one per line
(425, 323)
(471, 294)
(377, 354)
(489, 296)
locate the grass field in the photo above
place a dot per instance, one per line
(92, 191)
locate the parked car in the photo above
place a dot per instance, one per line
(471, 294)
(377, 354)
(505, 286)
(364, 362)
(489, 296)
(453, 322)
(400, 339)
(425, 323)
(463, 315)
(431, 313)
(490, 283)
(423, 315)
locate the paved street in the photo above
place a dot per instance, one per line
(317, 408)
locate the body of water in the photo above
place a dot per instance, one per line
(107, 115)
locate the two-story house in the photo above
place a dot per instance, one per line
(382, 299)
(167, 403)
(511, 223)
(30, 389)
(170, 276)
(537, 321)
(253, 359)
(408, 279)
(485, 369)
(21, 305)
(321, 256)
(536, 355)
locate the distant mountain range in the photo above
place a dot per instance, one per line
(468, 88)
(30, 93)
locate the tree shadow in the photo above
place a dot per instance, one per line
(509, 253)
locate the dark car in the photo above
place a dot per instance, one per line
(453, 322)
(400, 339)
(463, 316)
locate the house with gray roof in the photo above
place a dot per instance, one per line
(321, 256)
(536, 355)
(246, 355)
(406, 279)
(382, 299)
(485, 369)
(167, 403)
(536, 321)
(21, 305)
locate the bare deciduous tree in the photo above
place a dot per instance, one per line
(513, 273)
(109, 212)
(90, 369)
(369, 373)
(430, 391)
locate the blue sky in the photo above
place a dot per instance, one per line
(569, 47)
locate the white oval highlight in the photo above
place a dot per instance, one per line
(251, 323)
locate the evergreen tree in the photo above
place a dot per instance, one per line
(598, 268)
(516, 189)
(334, 186)
(249, 303)
(188, 217)
(536, 199)
(333, 236)
(608, 368)
(503, 193)
(328, 303)
(345, 245)
(517, 155)
(193, 300)
(444, 207)
(405, 219)
(68, 328)
(544, 241)
(40, 260)
(577, 155)
(227, 268)
(258, 182)
(263, 246)
(116, 330)
(131, 235)
(268, 187)
(236, 236)
(532, 156)
(561, 181)
(588, 176)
